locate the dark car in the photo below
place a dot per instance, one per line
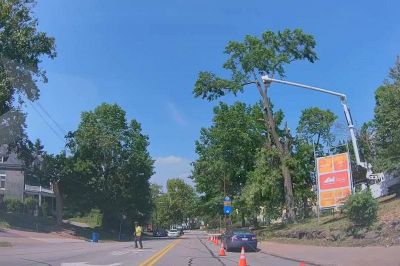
(238, 238)
(160, 233)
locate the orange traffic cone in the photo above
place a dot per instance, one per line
(216, 241)
(242, 259)
(222, 250)
(302, 263)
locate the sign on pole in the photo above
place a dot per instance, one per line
(227, 205)
(334, 180)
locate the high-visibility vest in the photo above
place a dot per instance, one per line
(138, 230)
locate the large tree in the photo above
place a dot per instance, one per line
(248, 61)
(112, 159)
(227, 153)
(387, 121)
(22, 47)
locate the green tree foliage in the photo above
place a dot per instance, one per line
(362, 208)
(263, 192)
(111, 159)
(181, 199)
(227, 153)
(314, 128)
(247, 61)
(22, 47)
(315, 125)
(387, 121)
(176, 205)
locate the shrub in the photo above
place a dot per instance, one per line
(13, 205)
(45, 209)
(362, 208)
(30, 204)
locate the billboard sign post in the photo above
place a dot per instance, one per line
(334, 180)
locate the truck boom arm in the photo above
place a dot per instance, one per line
(343, 101)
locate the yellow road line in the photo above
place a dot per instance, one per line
(156, 257)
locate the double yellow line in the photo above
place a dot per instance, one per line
(156, 257)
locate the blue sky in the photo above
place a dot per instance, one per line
(145, 56)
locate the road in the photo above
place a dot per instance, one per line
(192, 249)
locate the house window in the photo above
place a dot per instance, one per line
(2, 181)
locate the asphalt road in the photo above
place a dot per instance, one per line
(192, 249)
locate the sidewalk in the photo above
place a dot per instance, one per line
(340, 256)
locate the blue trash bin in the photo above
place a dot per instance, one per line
(95, 237)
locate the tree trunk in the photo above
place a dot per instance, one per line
(283, 149)
(59, 201)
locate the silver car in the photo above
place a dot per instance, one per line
(173, 233)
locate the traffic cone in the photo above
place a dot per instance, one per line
(302, 263)
(216, 241)
(222, 250)
(242, 259)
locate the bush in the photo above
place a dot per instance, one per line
(30, 204)
(13, 205)
(45, 209)
(362, 208)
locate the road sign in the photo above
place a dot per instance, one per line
(334, 180)
(228, 209)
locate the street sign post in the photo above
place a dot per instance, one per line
(227, 205)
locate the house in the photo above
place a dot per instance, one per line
(14, 181)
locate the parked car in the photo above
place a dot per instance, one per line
(238, 238)
(173, 233)
(160, 232)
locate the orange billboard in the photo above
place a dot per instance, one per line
(334, 180)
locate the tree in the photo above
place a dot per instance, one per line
(315, 125)
(387, 121)
(227, 153)
(247, 62)
(314, 129)
(182, 200)
(112, 160)
(55, 170)
(21, 49)
(264, 189)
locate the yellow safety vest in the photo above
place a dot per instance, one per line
(138, 230)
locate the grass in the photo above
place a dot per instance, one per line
(92, 219)
(381, 233)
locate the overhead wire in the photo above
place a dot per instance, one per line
(47, 123)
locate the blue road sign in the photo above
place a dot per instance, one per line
(228, 209)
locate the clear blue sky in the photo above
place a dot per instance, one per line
(145, 56)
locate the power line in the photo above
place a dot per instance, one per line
(62, 130)
(47, 123)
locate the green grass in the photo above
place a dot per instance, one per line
(92, 219)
